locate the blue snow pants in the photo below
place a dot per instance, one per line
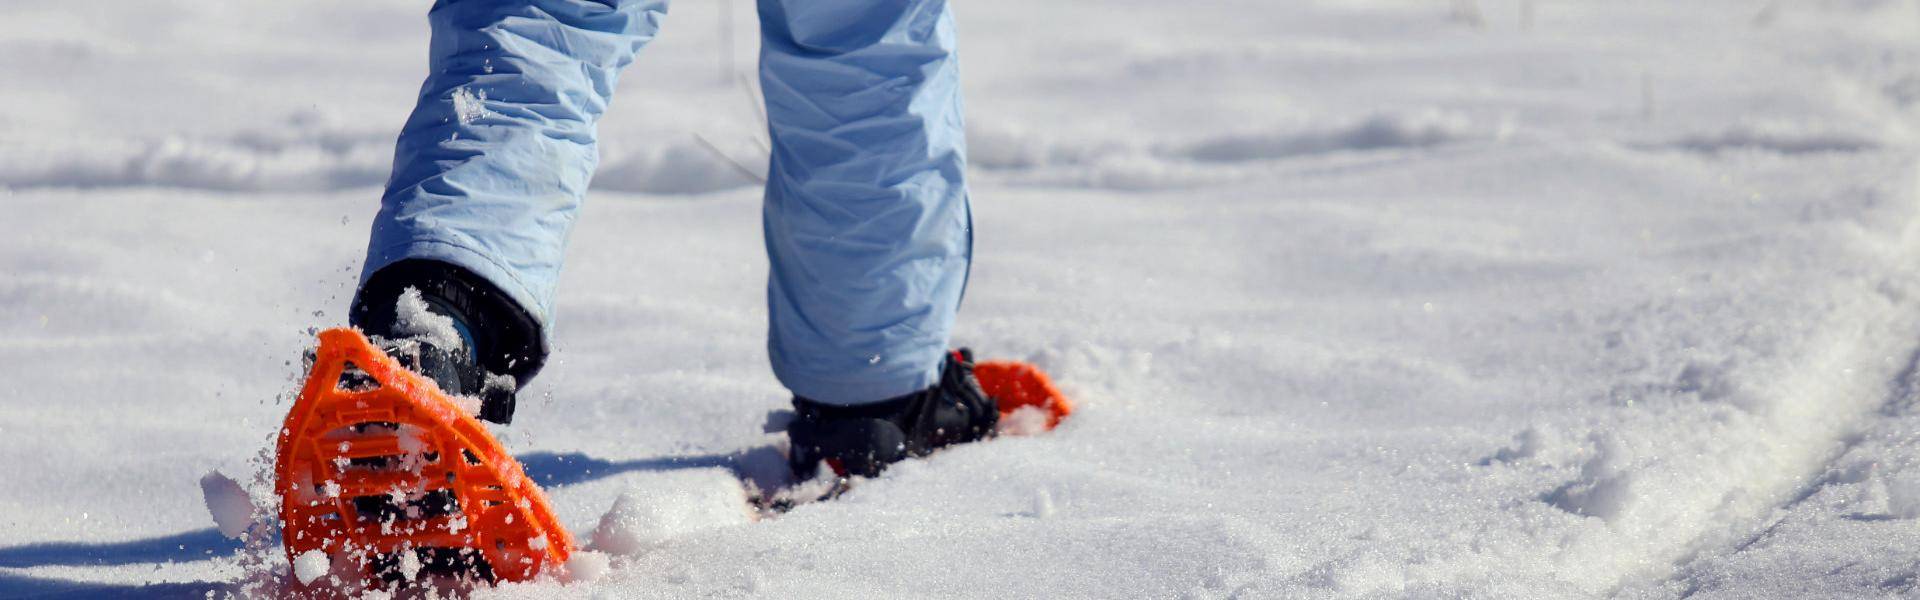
(868, 229)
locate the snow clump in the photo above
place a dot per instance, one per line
(232, 509)
(587, 565)
(1043, 504)
(469, 105)
(670, 506)
(410, 565)
(310, 565)
(1026, 420)
(1903, 495)
(413, 319)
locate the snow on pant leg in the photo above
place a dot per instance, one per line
(867, 224)
(490, 168)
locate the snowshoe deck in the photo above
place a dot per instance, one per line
(378, 468)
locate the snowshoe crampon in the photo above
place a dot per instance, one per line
(381, 471)
(1027, 398)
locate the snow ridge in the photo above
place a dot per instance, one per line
(1667, 494)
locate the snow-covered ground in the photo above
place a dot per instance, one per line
(1462, 298)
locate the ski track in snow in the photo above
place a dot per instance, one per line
(1368, 299)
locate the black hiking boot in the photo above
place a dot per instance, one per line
(447, 357)
(489, 348)
(863, 439)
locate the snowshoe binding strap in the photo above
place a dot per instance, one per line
(375, 463)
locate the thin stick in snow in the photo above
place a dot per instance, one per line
(759, 110)
(737, 167)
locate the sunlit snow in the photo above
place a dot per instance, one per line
(1382, 298)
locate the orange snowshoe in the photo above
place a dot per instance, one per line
(1015, 386)
(382, 473)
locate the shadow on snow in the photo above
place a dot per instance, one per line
(550, 470)
(19, 586)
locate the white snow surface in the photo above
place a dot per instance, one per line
(1375, 298)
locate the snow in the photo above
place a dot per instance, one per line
(1026, 420)
(231, 507)
(674, 505)
(466, 404)
(311, 566)
(1379, 298)
(468, 105)
(1043, 504)
(587, 566)
(412, 319)
(409, 566)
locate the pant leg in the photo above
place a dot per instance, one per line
(867, 224)
(491, 167)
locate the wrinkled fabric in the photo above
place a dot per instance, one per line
(866, 216)
(491, 167)
(868, 230)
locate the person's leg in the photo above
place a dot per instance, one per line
(490, 169)
(867, 223)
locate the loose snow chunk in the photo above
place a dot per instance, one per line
(669, 505)
(505, 383)
(410, 565)
(311, 565)
(412, 319)
(1043, 504)
(466, 404)
(469, 105)
(232, 509)
(1538, 443)
(586, 565)
(1903, 496)
(1026, 420)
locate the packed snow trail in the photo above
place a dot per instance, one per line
(1844, 532)
(1519, 300)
